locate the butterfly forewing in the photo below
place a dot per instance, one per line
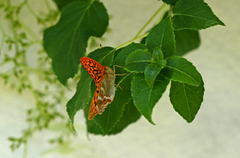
(94, 69)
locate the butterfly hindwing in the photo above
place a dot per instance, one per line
(93, 109)
(107, 91)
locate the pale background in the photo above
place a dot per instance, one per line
(215, 132)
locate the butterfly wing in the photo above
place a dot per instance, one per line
(103, 95)
(107, 91)
(93, 108)
(94, 69)
(97, 72)
(104, 80)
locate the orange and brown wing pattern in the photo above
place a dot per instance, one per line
(93, 108)
(96, 70)
(104, 80)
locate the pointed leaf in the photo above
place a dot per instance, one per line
(62, 3)
(171, 2)
(193, 14)
(157, 54)
(137, 61)
(122, 56)
(162, 36)
(82, 96)
(66, 42)
(181, 70)
(130, 115)
(112, 114)
(151, 72)
(186, 40)
(144, 97)
(186, 99)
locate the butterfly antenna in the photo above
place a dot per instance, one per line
(102, 55)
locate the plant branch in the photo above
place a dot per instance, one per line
(149, 21)
(129, 42)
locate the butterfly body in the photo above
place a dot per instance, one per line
(104, 78)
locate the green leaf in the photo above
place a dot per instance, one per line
(193, 14)
(171, 2)
(181, 70)
(186, 99)
(162, 36)
(151, 72)
(130, 115)
(157, 54)
(122, 56)
(83, 96)
(186, 40)
(62, 3)
(144, 97)
(112, 114)
(66, 42)
(137, 61)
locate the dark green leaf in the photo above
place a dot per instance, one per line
(186, 99)
(162, 36)
(144, 97)
(171, 2)
(181, 70)
(83, 95)
(193, 14)
(66, 42)
(130, 115)
(62, 3)
(122, 56)
(151, 72)
(112, 114)
(186, 40)
(137, 61)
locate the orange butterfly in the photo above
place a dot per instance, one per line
(104, 78)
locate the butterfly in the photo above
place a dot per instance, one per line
(104, 78)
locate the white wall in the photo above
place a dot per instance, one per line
(215, 132)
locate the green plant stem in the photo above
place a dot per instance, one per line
(31, 11)
(129, 42)
(3, 37)
(124, 78)
(25, 150)
(14, 31)
(29, 31)
(47, 4)
(149, 21)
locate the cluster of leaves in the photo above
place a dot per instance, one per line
(151, 65)
(18, 74)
